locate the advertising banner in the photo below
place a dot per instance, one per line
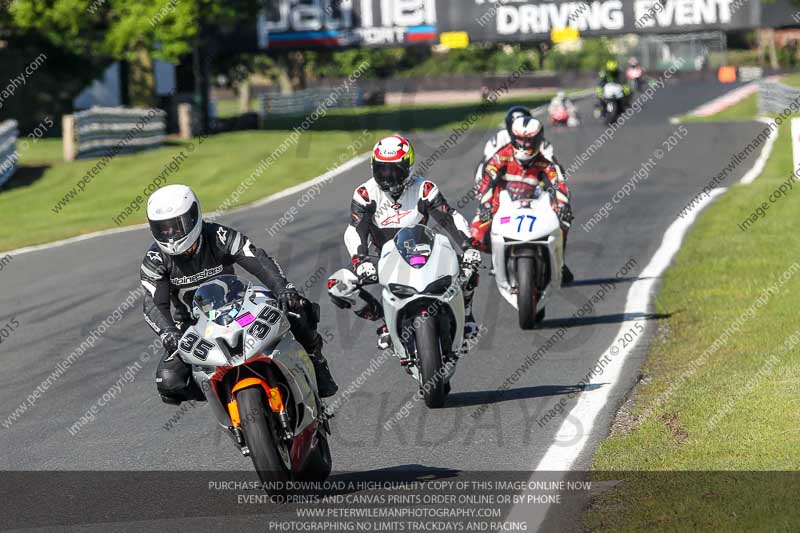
(372, 23)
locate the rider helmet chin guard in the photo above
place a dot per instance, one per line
(527, 135)
(391, 161)
(175, 219)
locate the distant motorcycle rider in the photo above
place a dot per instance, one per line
(502, 138)
(188, 252)
(393, 199)
(562, 101)
(519, 168)
(610, 74)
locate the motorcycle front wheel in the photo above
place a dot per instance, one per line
(269, 453)
(613, 114)
(528, 295)
(431, 366)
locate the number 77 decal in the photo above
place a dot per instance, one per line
(522, 218)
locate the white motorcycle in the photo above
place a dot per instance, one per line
(527, 254)
(258, 380)
(613, 102)
(423, 305)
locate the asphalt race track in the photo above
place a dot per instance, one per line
(60, 294)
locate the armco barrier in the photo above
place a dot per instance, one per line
(774, 97)
(306, 101)
(8, 149)
(113, 130)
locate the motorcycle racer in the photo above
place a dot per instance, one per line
(393, 199)
(188, 252)
(610, 74)
(502, 138)
(560, 103)
(519, 168)
(635, 74)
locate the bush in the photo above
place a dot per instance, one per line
(591, 57)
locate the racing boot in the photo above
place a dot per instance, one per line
(325, 382)
(384, 339)
(566, 275)
(468, 288)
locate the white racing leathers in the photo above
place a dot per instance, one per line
(375, 218)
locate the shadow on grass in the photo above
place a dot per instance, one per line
(397, 118)
(24, 176)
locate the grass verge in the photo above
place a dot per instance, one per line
(715, 397)
(745, 109)
(214, 168)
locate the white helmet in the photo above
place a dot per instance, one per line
(561, 95)
(527, 134)
(175, 219)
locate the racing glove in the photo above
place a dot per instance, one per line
(471, 258)
(485, 212)
(289, 299)
(364, 269)
(169, 339)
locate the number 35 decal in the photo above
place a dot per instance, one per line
(522, 218)
(200, 351)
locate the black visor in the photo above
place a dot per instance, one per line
(389, 175)
(528, 143)
(175, 229)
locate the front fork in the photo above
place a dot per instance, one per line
(274, 401)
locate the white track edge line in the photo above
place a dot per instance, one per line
(761, 162)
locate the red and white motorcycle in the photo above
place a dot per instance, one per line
(258, 380)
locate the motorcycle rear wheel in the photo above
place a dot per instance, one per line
(260, 435)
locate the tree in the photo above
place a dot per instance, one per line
(135, 31)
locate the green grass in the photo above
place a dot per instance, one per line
(745, 109)
(718, 274)
(230, 107)
(409, 116)
(792, 80)
(214, 169)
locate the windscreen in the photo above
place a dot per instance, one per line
(415, 244)
(220, 300)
